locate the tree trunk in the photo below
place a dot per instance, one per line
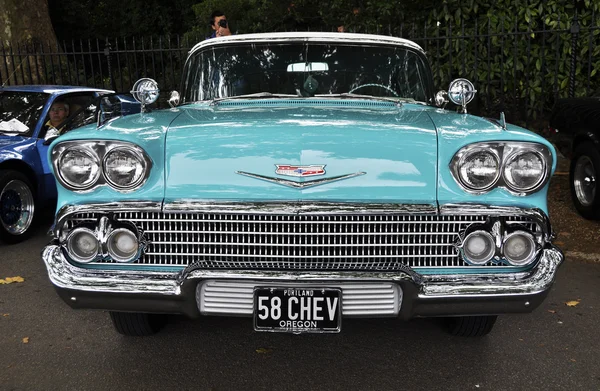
(26, 26)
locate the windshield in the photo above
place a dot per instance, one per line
(19, 110)
(306, 69)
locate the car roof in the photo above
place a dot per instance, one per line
(308, 36)
(52, 89)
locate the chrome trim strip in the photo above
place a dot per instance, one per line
(297, 207)
(299, 185)
(538, 279)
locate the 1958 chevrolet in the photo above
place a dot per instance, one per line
(302, 178)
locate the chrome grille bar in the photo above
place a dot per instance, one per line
(299, 242)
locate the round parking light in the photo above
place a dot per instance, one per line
(82, 245)
(122, 245)
(479, 248)
(519, 248)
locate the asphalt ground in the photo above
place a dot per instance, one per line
(45, 345)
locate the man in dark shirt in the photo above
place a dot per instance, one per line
(219, 24)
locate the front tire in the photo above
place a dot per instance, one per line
(471, 326)
(585, 167)
(134, 324)
(17, 206)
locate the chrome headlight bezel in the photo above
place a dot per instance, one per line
(506, 152)
(91, 154)
(100, 149)
(135, 153)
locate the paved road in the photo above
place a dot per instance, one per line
(556, 347)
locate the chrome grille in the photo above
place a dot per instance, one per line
(299, 242)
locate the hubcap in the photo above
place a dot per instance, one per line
(584, 181)
(16, 207)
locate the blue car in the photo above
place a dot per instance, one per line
(298, 179)
(26, 181)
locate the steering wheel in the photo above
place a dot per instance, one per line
(374, 85)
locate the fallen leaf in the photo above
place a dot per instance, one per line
(565, 234)
(520, 339)
(263, 350)
(572, 303)
(10, 280)
(559, 243)
(552, 311)
(559, 322)
(26, 340)
(573, 360)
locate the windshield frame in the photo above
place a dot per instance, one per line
(414, 49)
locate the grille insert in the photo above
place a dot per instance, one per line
(299, 242)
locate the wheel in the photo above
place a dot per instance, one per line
(585, 165)
(134, 324)
(471, 326)
(17, 206)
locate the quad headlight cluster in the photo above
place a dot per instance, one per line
(120, 242)
(514, 245)
(82, 166)
(522, 168)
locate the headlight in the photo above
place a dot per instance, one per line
(524, 171)
(82, 245)
(79, 168)
(478, 248)
(519, 248)
(124, 168)
(122, 245)
(520, 167)
(479, 170)
(83, 165)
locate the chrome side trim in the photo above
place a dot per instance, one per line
(299, 185)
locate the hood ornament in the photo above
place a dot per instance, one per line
(300, 171)
(300, 185)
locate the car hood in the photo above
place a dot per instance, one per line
(368, 151)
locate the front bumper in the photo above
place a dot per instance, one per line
(421, 296)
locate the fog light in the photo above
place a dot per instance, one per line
(479, 248)
(122, 245)
(519, 248)
(82, 245)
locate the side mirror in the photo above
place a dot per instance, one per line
(461, 92)
(174, 99)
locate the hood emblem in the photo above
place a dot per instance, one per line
(300, 185)
(300, 171)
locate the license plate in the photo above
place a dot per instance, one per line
(297, 310)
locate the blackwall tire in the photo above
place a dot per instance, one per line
(133, 324)
(471, 326)
(585, 167)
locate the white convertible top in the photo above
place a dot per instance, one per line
(309, 36)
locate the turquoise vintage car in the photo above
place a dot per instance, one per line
(302, 178)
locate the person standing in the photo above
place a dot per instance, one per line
(219, 24)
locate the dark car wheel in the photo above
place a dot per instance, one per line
(471, 326)
(17, 206)
(585, 167)
(134, 324)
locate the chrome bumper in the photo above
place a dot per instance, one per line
(437, 295)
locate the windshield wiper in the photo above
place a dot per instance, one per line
(257, 95)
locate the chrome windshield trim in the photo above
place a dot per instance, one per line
(300, 185)
(326, 37)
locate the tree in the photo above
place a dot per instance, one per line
(24, 23)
